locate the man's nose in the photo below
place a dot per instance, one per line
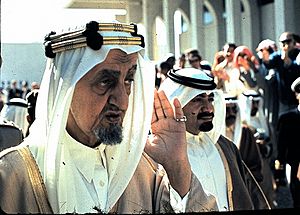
(119, 97)
(207, 107)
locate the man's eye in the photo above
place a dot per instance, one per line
(211, 99)
(104, 83)
(129, 81)
(196, 99)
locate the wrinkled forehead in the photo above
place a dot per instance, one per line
(121, 56)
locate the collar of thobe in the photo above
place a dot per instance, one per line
(84, 157)
(191, 138)
(299, 107)
(202, 138)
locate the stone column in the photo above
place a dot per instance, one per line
(233, 21)
(168, 16)
(134, 9)
(284, 16)
(148, 28)
(197, 27)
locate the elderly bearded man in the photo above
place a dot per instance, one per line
(214, 159)
(84, 153)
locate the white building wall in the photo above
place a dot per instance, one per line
(267, 22)
(22, 61)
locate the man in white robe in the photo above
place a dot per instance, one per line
(214, 159)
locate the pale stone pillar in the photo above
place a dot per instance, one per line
(133, 9)
(284, 16)
(197, 27)
(148, 28)
(168, 16)
(233, 21)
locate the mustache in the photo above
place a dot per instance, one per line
(205, 114)
(111, 107)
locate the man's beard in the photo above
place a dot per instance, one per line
(230, 120)
(109, 136)
(206, 126)
(254, 111)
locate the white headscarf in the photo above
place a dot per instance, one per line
(259, 120)
(186, 94)
(238, 121)
(52, 108)
(16, 111)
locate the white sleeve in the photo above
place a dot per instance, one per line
(178, 204)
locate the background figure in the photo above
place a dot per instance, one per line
(2, 99)
(181, 62)
(268, 86)
(31, 98)
(226, 66)
(220, 75)
(15, 110)
(286, 68)
(288, 144)
(10, 134)
(196, 61)
(35, 85)
(245, 62)
(243, 137)
(233, 84)
(14, 91)
(161, 73)
(253, 115)
(25, 89)
(170, 59)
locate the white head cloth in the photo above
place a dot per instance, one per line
(186, 94)
(238, 121)
(16, 111)
(259, 120)
(52, 108)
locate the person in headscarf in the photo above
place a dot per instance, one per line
(84, 152)
(240, 133)
(251, 102)
(10, 134)
(15, 110)
(220, 75)
(247, 65)
(214, 159)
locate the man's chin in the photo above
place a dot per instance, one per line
(205, 127)
(111, 135)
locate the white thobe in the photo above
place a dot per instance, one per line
(207, 165)
(91, 163)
